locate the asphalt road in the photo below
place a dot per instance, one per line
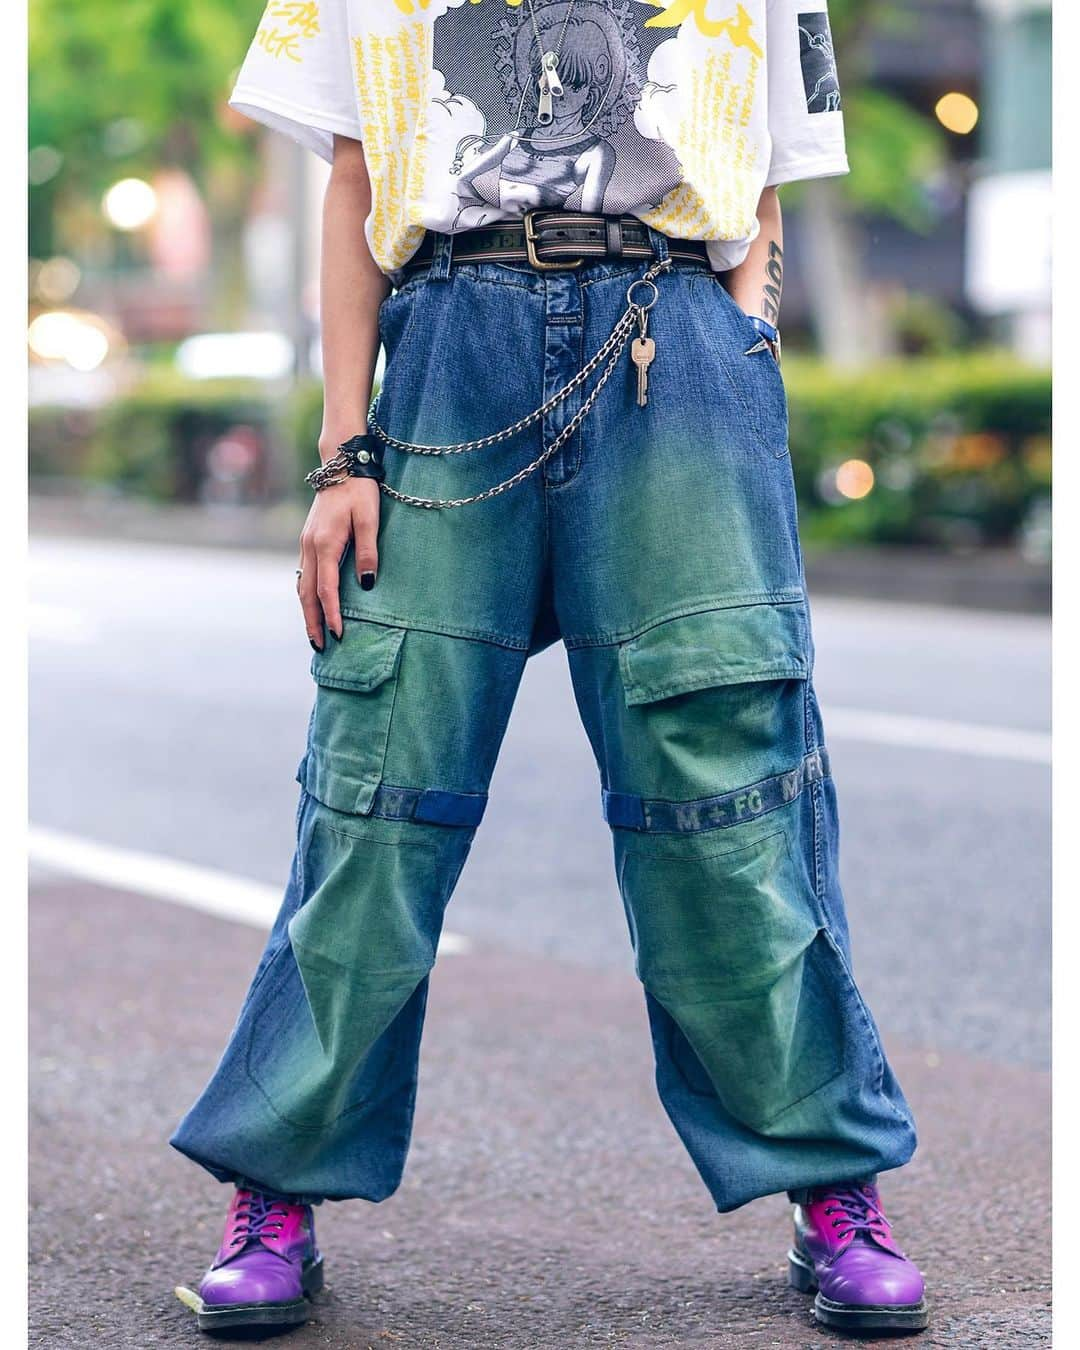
(169, 700)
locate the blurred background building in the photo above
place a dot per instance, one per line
(1008, 266)
(173, 328)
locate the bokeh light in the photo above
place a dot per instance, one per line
(854, 479)
(257, 356)
(130, 204)
(59, 335)
(44, 162)
(957, 112)
(124, 136)
(56, 280)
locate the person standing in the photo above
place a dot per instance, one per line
(560, 220)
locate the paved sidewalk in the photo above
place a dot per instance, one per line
(547, 1205)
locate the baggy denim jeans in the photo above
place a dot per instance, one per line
(660, 545)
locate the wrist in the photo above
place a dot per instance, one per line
(360, 456)
(332, 437)
(770, 334)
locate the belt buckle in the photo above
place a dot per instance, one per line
(530, 248)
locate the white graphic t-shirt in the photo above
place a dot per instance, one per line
(677, 111)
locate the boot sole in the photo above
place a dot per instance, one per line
(854, 1317)
(229, 1316)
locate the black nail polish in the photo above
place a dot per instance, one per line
(337, 636)
(367, 580)
(314, 645)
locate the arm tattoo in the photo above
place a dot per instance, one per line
(770, 294)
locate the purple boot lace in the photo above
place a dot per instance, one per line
(856, 1211)
(257, 1216)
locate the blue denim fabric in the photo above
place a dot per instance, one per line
(660, 544)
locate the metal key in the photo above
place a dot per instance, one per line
(642, 351)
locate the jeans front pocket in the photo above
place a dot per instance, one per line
(396, 317)
(750, 365)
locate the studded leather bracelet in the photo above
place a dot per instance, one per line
(358, 457)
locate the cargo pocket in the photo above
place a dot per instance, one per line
(722, 909)
(727, 943)
(350, 724)
(713, 702)
(734, 645)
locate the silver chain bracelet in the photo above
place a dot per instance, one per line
(334, 471)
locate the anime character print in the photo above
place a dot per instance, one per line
(575, 159)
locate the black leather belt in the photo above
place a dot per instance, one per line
(554, 240)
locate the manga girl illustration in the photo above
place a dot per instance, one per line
(569, 162)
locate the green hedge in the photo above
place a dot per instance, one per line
(59, 441)
(959, 445)
(153, 441)
(303, 424)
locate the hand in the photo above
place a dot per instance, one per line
(348, 510)
(770, 334)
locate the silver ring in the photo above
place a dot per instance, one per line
(642, 281)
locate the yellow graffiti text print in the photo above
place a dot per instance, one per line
(719, 157)
(391, 88)
(675, 13)
(298, 19)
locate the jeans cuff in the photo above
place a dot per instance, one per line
(283, 1197)
(801, 1195)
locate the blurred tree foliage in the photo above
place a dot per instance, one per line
(122, 87)
(896, 153)
(893, 149)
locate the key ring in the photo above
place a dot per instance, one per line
(642, 281)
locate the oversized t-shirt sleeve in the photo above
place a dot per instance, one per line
(297, 76)
(806, 123)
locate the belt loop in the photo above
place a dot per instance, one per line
(659, 243)
(443, 252)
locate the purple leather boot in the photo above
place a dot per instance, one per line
(266, 1268)
(844, 1249)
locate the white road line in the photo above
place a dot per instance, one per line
(59, 624)
(932, 733)
(203, 888)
